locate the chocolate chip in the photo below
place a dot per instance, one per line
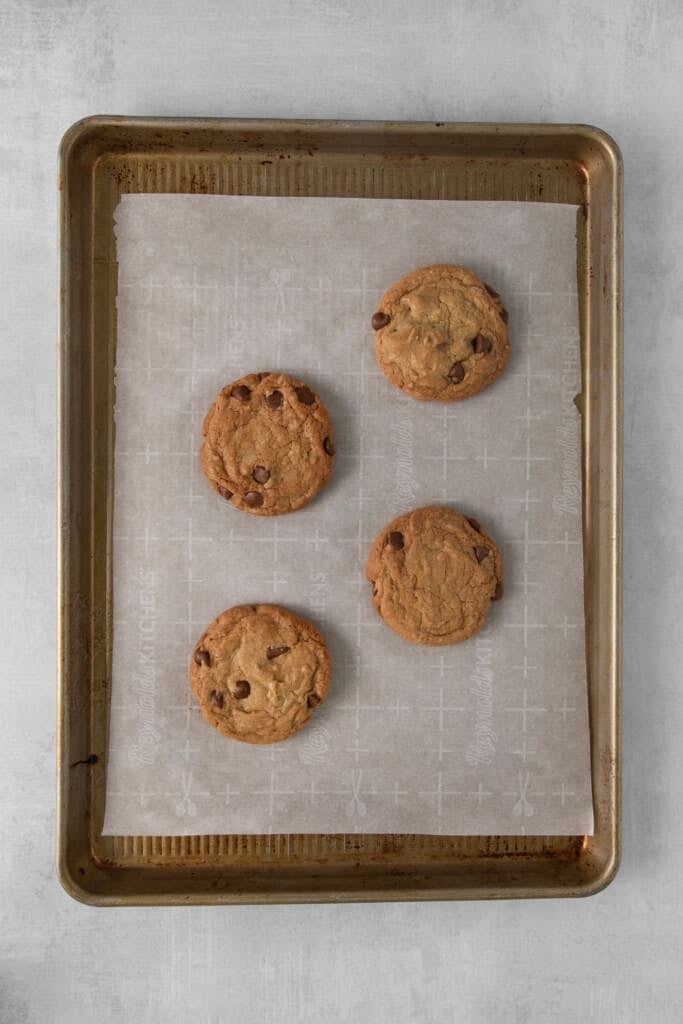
(474, 524)
(275, 652)
(202, 656)
(498, 592)
(261, 475)
(482, 344)
(242, 689)
(379, 320)
(225, 493)
(274, 400)
(492, 293)
(261, 376)
(242, 392)
(313, 700)
(481, 553)
(395, 540)
(305, 395)
(374, 590)
(456, 373)
(253, 499)
(328, 446)
(217, 699)
(504, 315)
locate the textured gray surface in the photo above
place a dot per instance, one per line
(612, 958)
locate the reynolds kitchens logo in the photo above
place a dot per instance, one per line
(315, 746)
(403, 441)
(567, 436)
(143, 751)
(318, 591)
(482, 748)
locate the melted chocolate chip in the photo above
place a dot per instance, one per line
(261, 376)
(328, 446)
(217, 699)
(395, 540)
(504, 315)
(481, 344)
(242, 392)
(379, 320)
(313, 700)
(261, 475)
(456, 373)
(275, 652)
(474, 523)
(481, 553)
(253, 499)
(305, 395)
(225, 493)
(202, 656)
(274, 400)
(242, 689)
(498, 592)
(492, 293)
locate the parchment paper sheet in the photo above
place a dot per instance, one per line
(490, 736)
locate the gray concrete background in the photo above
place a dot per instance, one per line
(614, 63)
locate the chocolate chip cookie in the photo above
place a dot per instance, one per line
(268, 445)
(434, 573)
(259, 672)
(441, 334)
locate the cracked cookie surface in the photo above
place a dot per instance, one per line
(258, 673)
(441, 334)
(434, 573)
(267, 444)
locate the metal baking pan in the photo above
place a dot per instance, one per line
(103, 157)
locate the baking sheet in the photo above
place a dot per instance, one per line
(487, 737)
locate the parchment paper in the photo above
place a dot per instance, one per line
(490, 736)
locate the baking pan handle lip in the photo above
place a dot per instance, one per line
(89, 127)
(604, 874)
(74, 134)
(75, 887)
(84, 130)
(606, 142)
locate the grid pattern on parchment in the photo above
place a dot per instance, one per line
(487, 737)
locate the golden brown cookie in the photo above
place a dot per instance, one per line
(441, 334)
(434, 573)
(268, 445)
(258, 671)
